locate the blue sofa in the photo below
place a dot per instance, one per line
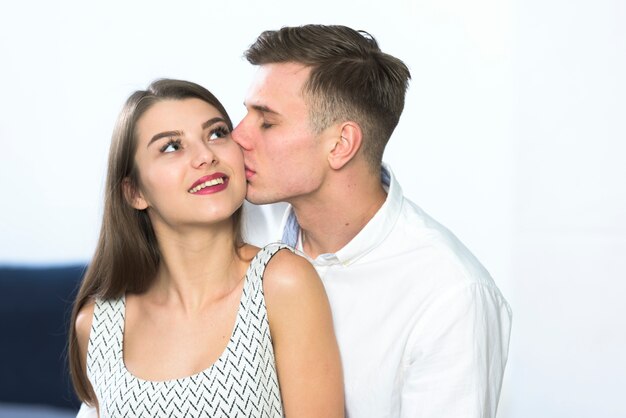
(35, 307)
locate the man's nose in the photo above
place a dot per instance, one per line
(240, 135)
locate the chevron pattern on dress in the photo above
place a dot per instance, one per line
(241, 383)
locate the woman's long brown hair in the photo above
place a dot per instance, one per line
(127, 255)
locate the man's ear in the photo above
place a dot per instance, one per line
(346, 146)
(133, 195)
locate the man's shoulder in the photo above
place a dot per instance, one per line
(430, 247)
(261, 223)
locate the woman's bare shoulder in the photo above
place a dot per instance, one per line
(288, 275)
(83, 323)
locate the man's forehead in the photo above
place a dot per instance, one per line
(276, 87)
(288, 68)
(287, 76)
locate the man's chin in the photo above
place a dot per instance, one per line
(255, 199)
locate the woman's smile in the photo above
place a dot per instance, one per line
(213, 183)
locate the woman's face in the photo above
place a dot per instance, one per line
(191, 173)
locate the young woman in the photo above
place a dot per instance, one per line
(176, 316)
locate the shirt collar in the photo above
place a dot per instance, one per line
(374, 232)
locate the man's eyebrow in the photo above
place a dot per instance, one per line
(164, 135)
(263, 108)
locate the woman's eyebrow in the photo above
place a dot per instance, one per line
(212, 121)
(163, 135)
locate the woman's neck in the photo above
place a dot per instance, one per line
(197, 266)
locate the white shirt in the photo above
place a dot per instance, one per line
(422, 329)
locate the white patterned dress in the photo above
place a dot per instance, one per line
(241, 383)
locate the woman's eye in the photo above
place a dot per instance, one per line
(266, 125)
(171, 146)
(220, 132)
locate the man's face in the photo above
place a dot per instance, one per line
(285, 160)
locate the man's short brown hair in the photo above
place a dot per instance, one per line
(351, 78)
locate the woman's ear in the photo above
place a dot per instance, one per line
(133, 195)
(346, 146)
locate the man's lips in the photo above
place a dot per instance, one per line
(249, 173)
(209, 184)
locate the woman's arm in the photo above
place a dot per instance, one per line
(83, 330)
(307, 356)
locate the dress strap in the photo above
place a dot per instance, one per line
(271, 249)
(253, 299)
(106, 337)
(260, 261)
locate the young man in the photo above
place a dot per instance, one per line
(422, 328)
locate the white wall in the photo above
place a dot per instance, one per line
(513, 137)
(569, 235)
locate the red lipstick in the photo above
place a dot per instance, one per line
(212, 183)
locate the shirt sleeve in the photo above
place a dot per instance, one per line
(261, 223)
(457, 355)
(87, 411)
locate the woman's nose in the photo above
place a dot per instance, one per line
(203, 155)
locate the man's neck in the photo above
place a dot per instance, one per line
(333, 217)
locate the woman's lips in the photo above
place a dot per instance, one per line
(209, 184)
